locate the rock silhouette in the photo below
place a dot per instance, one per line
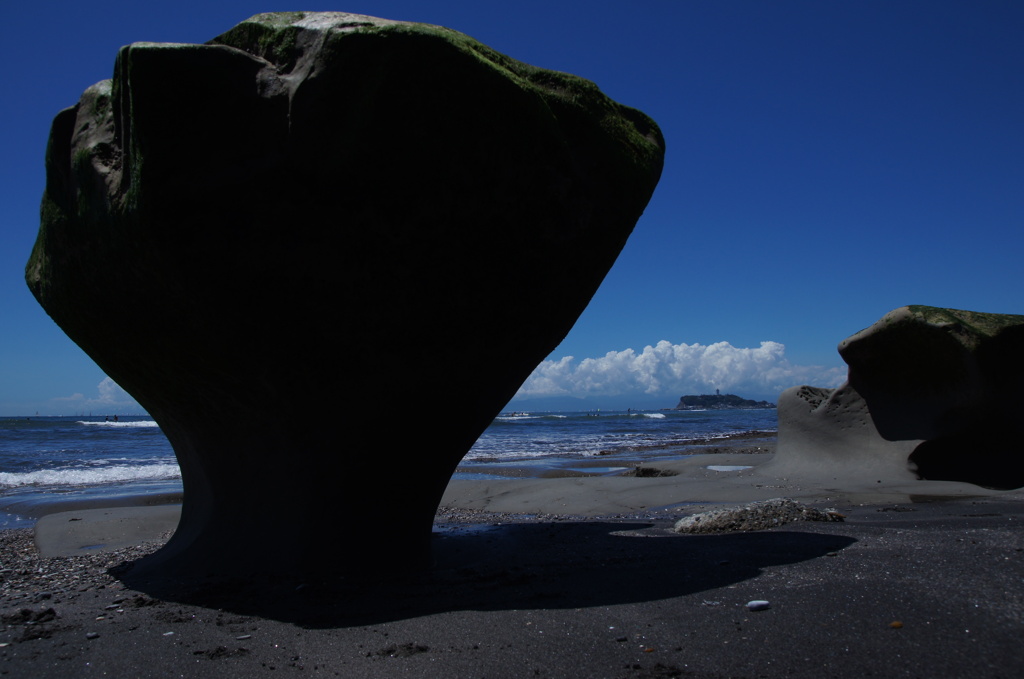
(273, 239)
(931, 394)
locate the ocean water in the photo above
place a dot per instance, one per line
(64, 461)
(50, 460)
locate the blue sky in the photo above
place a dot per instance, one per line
(827, 162)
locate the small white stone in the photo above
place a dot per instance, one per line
(758, 605)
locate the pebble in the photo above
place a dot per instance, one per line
(92, 635)
(758, 605)
(65, 575)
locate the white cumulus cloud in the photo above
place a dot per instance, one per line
(109, 396)
(674, 369)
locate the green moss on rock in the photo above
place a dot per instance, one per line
(975, 324)
(274, 36)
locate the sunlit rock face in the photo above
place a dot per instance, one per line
(932, 394)
(275, 239)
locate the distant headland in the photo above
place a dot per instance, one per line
(719, 402)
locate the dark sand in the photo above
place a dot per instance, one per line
(565, 577)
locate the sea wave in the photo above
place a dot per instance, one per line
(127, 425)
(89, 476)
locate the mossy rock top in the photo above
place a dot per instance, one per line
(935, 365)
(284, 38)
(978, 323)
(968, 328)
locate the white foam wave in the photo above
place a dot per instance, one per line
(89, 477)
(128, 425)
(655, 416)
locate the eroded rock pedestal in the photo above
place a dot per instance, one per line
(932, 394)
(323, 251)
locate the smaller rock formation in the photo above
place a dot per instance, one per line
(754, 516)
(930, 395)
(720, 402)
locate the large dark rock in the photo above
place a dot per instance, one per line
(272, 240)
(932, 394)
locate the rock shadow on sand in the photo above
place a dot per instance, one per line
(559, 565)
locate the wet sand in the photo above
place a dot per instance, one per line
(579, 576)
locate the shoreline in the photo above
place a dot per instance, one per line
(679, 481)
(710, 473)
(25, 509)
(558, 577)
(615, 462)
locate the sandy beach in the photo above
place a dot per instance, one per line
(577, 576)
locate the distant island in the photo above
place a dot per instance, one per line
(719, 402)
